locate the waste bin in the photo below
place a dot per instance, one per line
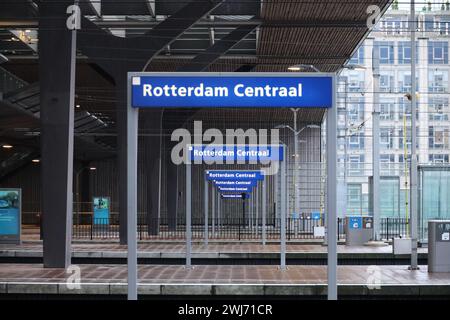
(438, 245)
(358, 230)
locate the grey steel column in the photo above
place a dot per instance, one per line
(188, 214)
(413, 172)
(264, 210)
(218, 212)
(57, 51)
(331, 203)
(257, 210)
(131, 196)
(376, 144)
(206, 211)
(283, 212)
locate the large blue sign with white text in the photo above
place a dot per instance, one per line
(10, 207)
(216, 153)
(156, 90)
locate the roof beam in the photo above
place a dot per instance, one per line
(203, 60)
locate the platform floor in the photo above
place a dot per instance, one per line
(177, 250)
(224, 280)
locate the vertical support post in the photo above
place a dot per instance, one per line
(257, 210)
(57, 50)
(218, 212)
(331, 203)
(206, 211)
(213, 216)
(376, 144)
(413, 172)
(188, 214)
(131, 194)
(264, 210)
(283, 212)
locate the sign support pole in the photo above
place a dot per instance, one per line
(331, 203)
(188, 214)
(206, 212)
(264, 209)
(132, 137)
(283, 212)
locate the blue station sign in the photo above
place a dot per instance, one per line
(235, 196)
(223, 153)
(282, 90)
(233, 175)
(235, 183)
(235, 189)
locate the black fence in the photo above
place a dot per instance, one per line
(85, 227)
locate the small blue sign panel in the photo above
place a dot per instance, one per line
(215, 153)
(9, 213)
(238, 183)
(236, 175)
(234, 195)
(231, 90)
(355, 222)
(315, 215)
(101, 210)
(235, 189)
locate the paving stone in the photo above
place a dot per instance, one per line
(32, 288)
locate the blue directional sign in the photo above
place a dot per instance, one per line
(238, 183)
(233, 153)
(315, 216)
(156, 90)
(234, 175)
(235, 189)
(234, 195)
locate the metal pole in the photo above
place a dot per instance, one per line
(376, 144)
(213, 216)
(296, 171)
(257, 209)
(413, 172)
(206, 211)
(132, 137)
(283, 212)
(218, 212)
(188, 214)
(331, 203)
(264, 210)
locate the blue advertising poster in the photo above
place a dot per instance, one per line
(355, 222)
(9, 212)
(200, 153)
(231, 90)
(101, 210)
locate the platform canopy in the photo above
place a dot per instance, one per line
(230, 36)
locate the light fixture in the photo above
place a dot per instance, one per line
(92, 168)
(27, 31)
(77, 106)
(300, 67)
(313, 126)
(7, 146)
(356, 67)
(36, 160)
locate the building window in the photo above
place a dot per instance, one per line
(386, 138)
(386, 109)
(387, 164)
(438, 109)
(404, 109)
(438, 158)
(437, 52)
(358, 57)
(438, 138)
(404, 52)
(401, 139)
(355, 81)
(404, 81)
(356, 141)
(386, 82)
(354, 198)
(438, 81)
(386, 51)
(356, 165)
(355, 110)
